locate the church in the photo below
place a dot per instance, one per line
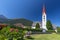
(44, 20)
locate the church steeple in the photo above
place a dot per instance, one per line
(44, 10)
(44, 19)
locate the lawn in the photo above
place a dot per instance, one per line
(52, 36)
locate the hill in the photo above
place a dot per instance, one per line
(25, 22)
(20, 20)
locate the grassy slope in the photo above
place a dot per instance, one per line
(46, 37)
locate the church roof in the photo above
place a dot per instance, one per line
(43, 10)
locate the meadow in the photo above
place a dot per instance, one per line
(52, 36)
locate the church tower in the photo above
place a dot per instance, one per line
(44, 19)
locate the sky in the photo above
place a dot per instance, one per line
(31, 9)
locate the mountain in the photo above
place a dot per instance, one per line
(25, 22)
(20, 20)
(3, 18)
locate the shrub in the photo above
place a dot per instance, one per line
(51, 31)
(11, 33)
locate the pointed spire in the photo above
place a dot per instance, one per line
(43, 10)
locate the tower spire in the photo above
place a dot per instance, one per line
(44, 10)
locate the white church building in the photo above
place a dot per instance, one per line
(44, 20)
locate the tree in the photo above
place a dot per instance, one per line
(37, 26)
(49, 25)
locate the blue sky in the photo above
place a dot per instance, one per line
(31, 9)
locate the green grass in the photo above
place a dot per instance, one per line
(53, 36)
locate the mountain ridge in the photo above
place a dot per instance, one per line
(24, 21)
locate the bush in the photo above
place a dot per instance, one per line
(51, 31)
(58, 29)
(10, 33)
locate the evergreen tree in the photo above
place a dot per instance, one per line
(49, 25)
(37, 26)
